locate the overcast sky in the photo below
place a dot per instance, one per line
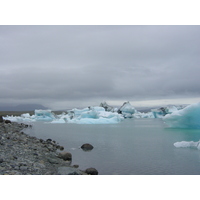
(73, 66)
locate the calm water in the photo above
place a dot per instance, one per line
(134, 146)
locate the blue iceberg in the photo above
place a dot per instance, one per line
(93, 115)
(189, 117)
(44, 115)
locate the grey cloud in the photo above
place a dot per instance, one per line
(80, 63)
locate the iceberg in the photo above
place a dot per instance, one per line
(93, 115)
(127, 110)
(44, 115)
(187, 144)
(143, 115)
(189, 117)
(161, 112)
(78, 112)
(89, 115)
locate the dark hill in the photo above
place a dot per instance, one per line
(22, 107)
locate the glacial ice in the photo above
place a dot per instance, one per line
(103, 114)
(44, 115)
(93, 115)
(90, 115)
(161, 112)
(143, 115)
(187, 144)
(189, 117)
(127, 110)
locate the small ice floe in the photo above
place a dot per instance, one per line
(187, 144)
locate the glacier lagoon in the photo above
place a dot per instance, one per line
(143, 146)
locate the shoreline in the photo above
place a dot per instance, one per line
(21, 154)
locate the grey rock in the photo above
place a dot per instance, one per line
(23, 167)
(39, 165)
(91, 171)
(87, 147)
(53, 161)
(65, 155)
(7, 121)
(61, 148)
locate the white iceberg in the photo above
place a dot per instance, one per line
(25, 115)
(90, 115)
(187, 144)
(189, 117)
(143, 115)
(78, 112)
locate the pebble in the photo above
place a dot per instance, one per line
(21, 154)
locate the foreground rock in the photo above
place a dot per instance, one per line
(91, 171)
(87, 147)
(22, 154)
(65, 156)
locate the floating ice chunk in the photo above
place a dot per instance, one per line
(19, 118)
(189, 117)
(44, 115)
(25, 115)
(170, 109)
(143, 115)
(127, 110)
(94, 115)
(89, 115)
(187, 144)
(12, 118)
(161, 112)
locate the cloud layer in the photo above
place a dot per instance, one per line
(65, 66)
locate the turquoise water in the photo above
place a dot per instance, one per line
(132, 147)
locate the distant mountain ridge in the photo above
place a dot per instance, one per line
(22, 107)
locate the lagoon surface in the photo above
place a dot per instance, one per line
(132, 147)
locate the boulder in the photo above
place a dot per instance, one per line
(91, 171)
(61, 148)
(7, 121)
(65, 156)
(87, 147)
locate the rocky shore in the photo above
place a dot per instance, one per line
(21, 154)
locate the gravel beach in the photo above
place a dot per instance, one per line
(21, 154)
